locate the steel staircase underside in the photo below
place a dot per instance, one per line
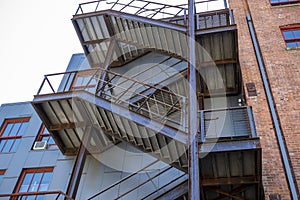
(67, 114)
(137, 35)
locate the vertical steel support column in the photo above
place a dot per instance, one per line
(78, 166)
(194, 183)
(281, 143)
(251, 122)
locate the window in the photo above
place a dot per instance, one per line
(291, 36)
(281, 2)
(34, 180)
(44, 135)
(11, 133)
(2, 172)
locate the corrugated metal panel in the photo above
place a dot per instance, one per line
(73, 137)
(219, 46)
(46, 106)
(65, 139)
(232, 173)
(230, 164)
(59, 112)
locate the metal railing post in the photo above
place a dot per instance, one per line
(202, 126)
(79, 164)
(232, 20)
(251, 122)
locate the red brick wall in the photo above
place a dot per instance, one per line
(283, 69)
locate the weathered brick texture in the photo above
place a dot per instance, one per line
(283, 69)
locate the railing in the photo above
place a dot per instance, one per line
(154, 177)
(146, 8)
(153, 101)
(213, 19)
(45, 195)
(229, 123)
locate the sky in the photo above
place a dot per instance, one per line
(36, 38)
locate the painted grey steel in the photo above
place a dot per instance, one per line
(194, 170)
(234, 145)
(282, 146)
(251, 121)
(79, 164)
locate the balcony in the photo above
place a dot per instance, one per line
(228, 129)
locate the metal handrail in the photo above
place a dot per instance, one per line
(123, 93)
(46, 79)
(150, 179)
(124, 5)
(158, 12)
(122, 180)
(22, 194)
(144, 182)
(166, 185)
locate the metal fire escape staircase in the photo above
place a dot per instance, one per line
(151, 117)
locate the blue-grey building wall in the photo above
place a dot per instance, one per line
(25, 157)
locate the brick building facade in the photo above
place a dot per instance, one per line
(282, 68)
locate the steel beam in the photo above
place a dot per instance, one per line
(243, 180)
(194, 169)
(216, 30)
(230, 145)
(78, 166)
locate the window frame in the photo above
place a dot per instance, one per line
(2, 172)
(32, 170)
(9, 137)
(41, 134)
(294, 39)
(281, 2)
